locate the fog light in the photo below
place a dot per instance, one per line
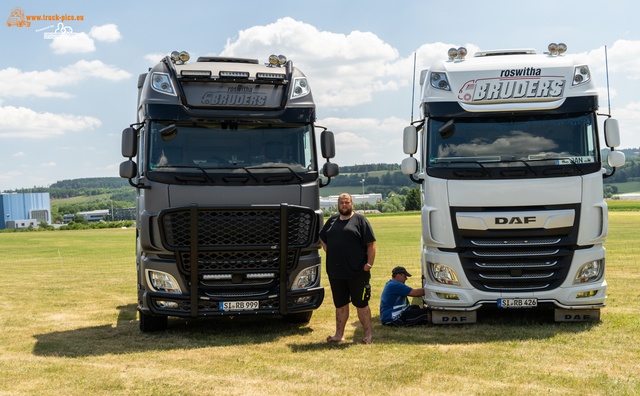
(446, 296)
(589, 272)
(587, 294)
(444, 274)
(162, 282)
(167, 304)
(303, 300)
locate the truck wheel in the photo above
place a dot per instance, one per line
(301, 317)
(150, 323)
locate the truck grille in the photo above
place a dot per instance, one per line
(236, 260)
(517, 260)
(227, 228)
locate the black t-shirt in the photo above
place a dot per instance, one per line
(347, 242)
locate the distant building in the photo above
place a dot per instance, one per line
(92, 216)
(632, 196)
(332, 200)
(17, 209)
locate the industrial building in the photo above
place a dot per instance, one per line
(21, 210)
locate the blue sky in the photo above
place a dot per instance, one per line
(65, 101)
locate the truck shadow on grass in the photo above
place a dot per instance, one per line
(492, 326)
(126, 336)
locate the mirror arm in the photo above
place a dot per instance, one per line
(413, 179)
(139, 185)
(325, 184)
(606, 176)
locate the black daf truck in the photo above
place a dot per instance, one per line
(227, 181)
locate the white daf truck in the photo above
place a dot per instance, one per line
(513, 215)
(228, 207)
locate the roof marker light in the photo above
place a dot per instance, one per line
(273, 59)
(184, 56)
(282, 60)
(462, 52)
(553, 48)
(195, 73)
(452, 53)
(175, 56)
(270, 76)
(234, 74)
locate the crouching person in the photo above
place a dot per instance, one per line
(395, 309)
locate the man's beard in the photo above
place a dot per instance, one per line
(345, 211)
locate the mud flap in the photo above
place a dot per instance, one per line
(453, 317)
(577, 315)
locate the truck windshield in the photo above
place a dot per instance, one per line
(227, 146)
(513, 141)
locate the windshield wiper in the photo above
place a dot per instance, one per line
(525, 161)
(238, 167)
(471, 162)
(206, 175)
(280, 167)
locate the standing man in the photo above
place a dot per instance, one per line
(348, 239)
(395, 309)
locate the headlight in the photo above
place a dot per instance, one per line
(160, 82)
(440, 81)
(306, 278)
(163, 282)
(444, 274)
(589, 272)
(300, 88)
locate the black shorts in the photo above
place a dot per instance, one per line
(356, 290)
(413, 316)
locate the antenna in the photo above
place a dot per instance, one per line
(413, 89)
(606, 62)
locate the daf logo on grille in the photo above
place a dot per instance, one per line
(516, 220)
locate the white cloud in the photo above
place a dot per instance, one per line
(629, 128)
(22, 122)
(155, 57)
(17, 83)
(76, 43)
(50, 164)
(19, 154)
(622, 57)
(343, 69)
(108, 33)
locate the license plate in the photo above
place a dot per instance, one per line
(517, 302)
(238, 305)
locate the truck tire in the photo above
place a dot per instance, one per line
(301, 317)
(150, 323)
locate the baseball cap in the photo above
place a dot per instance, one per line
(399, 270)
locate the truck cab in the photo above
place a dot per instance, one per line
(510, 171)
(227, 181)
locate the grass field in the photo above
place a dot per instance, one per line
(68, 327)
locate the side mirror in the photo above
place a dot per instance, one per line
(327, 145)
(330, 169)
(129, 142)
(409, 166)
(611, 132)
(128, 169)
(410, 140)
(615, 159)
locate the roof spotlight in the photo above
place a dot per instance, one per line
(562, 48)
(273, 59)
(553, 48)
(452, 53)
(282, 59)
(175, 56)
(184, 56)
(462, 52)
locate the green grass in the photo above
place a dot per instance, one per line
(623, 205)
(626, 188)
(68, 327)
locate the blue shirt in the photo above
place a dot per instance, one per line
(394, 301)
